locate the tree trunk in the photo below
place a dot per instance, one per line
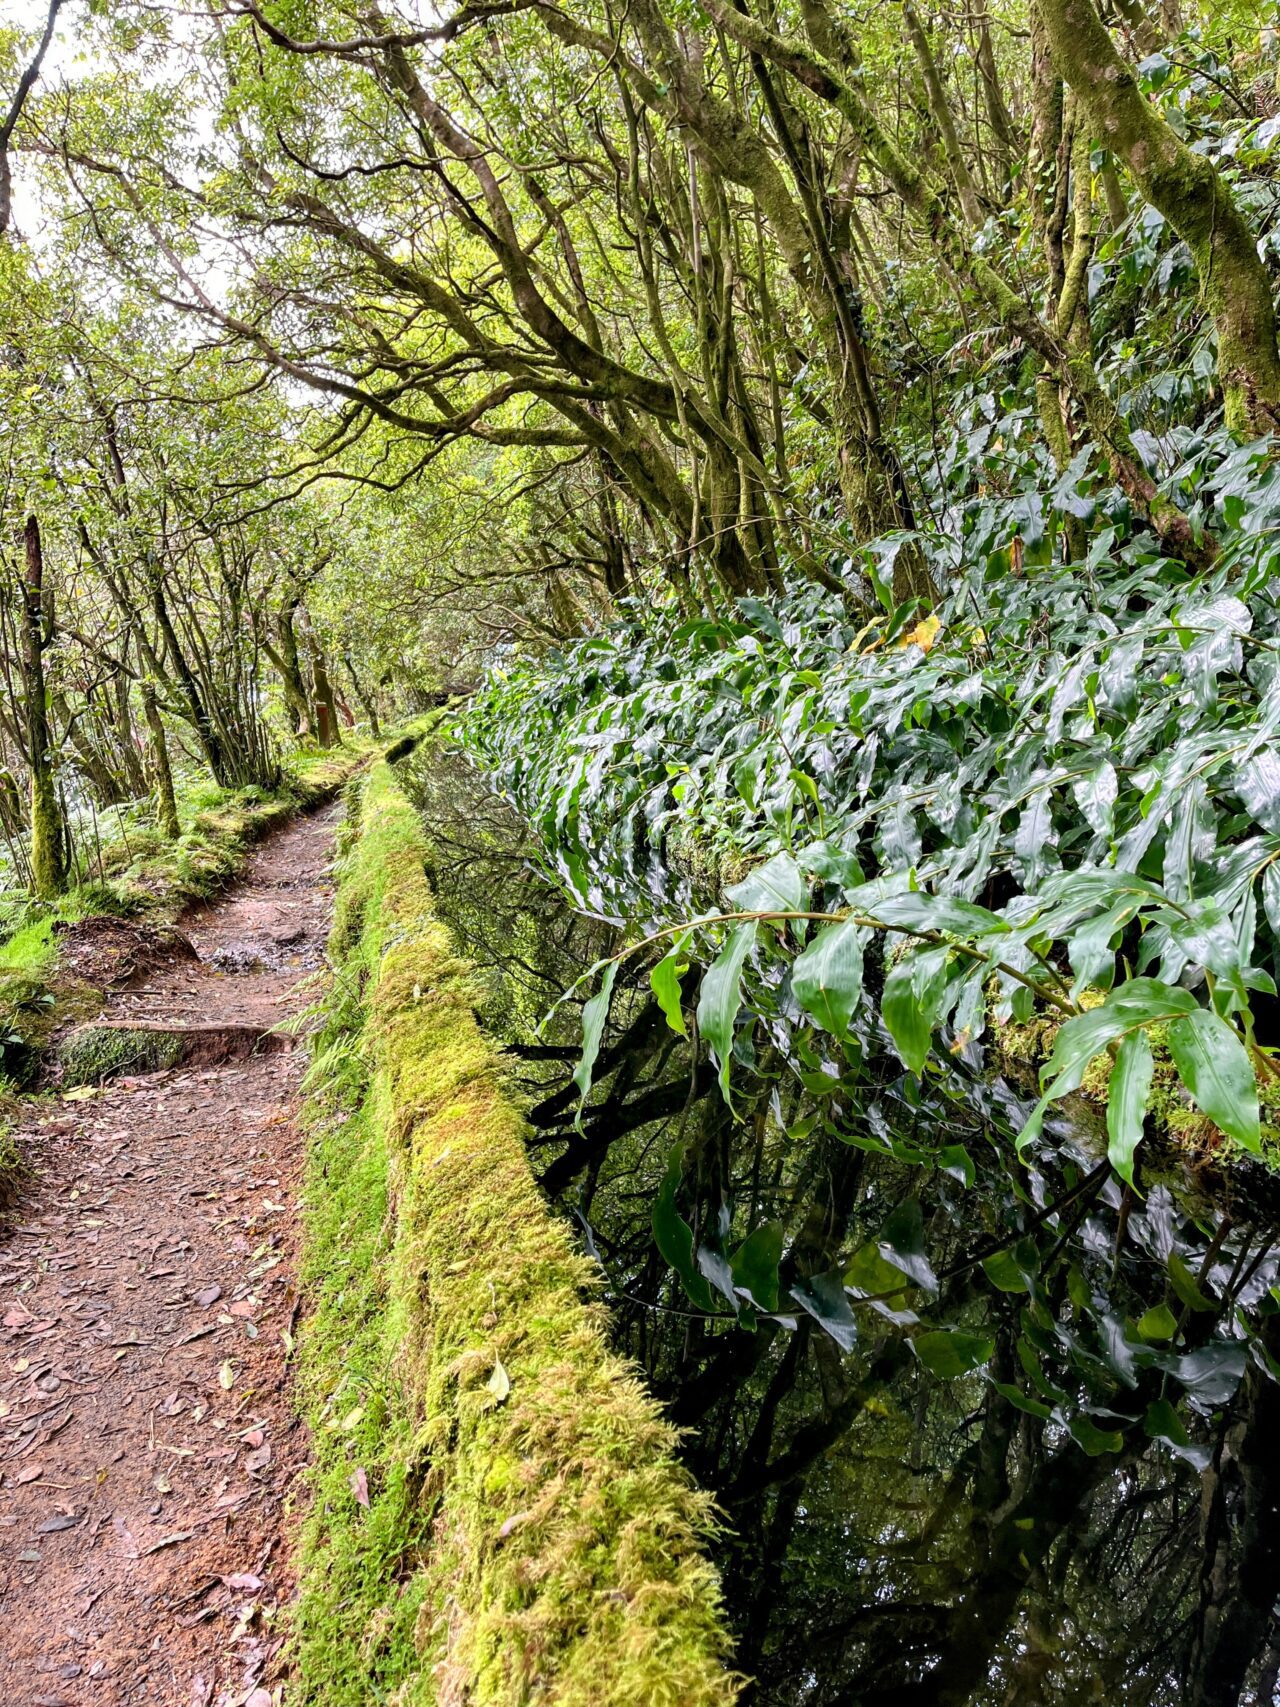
(327, 732)
(1186, 188)
(124, 734)
(214, 749)
(48, 830)
(285, 657)
(166, 803)
(363, 699)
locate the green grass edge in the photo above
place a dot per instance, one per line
(529, 1534)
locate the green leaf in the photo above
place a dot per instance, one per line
(1004, 1272)
(1127, 1092)
(1024, 1401)
(901, 1243)
(1096, 797)
(955, 1160)
(1187, 1287)
(1137, 1002)
(721, 998)
(868, 1273)
(664, 981)
(1159, 1323)
(910, 1003)
(826, 860)
(947, 1352)
(822, 1296)
(1162, 1422)
(674, 1236)
(594, 1014)
(774, 887)
(1094, 1440)
(1213, 1065)
(755, 1265)
(827, 978)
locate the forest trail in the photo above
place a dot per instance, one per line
(148, 1295)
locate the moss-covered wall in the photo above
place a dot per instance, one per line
(498, 1513)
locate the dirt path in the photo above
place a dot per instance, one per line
(148, 1452)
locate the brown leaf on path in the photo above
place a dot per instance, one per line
(168, 1541)
(52, 1525)
(360, 1487)
(208, 1295)
(243, 1581)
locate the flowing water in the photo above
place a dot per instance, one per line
(1088, 1514)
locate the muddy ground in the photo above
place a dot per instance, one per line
(149, 1456)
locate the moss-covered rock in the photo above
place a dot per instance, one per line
(499, 1514)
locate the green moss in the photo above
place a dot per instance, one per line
(29, 951)
(1171, 1114)
(529, 1535)
(91, 1054)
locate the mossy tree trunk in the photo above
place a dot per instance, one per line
(166, 802)
(284, 655)
(327, 732)
(48, 828)
(1187, 189)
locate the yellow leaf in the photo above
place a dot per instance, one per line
(226, 1376)
(923, 634)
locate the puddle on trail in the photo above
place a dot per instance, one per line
(1092, 1515)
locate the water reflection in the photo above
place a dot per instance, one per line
(1005, 1435)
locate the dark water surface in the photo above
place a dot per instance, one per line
(1091, 1514)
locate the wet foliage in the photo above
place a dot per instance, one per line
(984, 1429)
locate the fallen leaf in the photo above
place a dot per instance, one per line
(258, 1460)
(168, 1541)
(30, 1474)
(208, 1295)
(360, 1487)
(352, 1419)
(226, 1377)
(52, 1525)
(244, 1581)
(499, 1383)
(242, 1307)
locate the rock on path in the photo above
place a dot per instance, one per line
(148, 1298)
